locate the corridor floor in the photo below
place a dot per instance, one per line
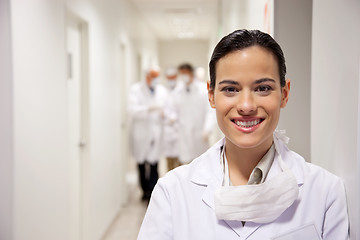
(127, 224)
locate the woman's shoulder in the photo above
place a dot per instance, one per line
(313, 173)
(322, 176)
(181, 172)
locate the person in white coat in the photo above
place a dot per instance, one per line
(146, 100)
(196, 118)
(249, 185)
(171, 121)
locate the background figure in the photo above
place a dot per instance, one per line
(196, 118)
(146, 110)
(171, 124)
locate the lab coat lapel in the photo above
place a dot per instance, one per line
(243, 231)
(209, 173)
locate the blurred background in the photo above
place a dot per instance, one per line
(66, 68)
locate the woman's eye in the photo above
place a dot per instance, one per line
(263, 89)
(229, 89)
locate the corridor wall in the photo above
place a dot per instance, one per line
(6, 124)
(41, 206)
(175, 52)
(292, 30)
(41, 167)
(247, 14)
(335, 95)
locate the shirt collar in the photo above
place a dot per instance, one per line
(259, 173)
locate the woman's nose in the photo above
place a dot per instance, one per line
(246, 104)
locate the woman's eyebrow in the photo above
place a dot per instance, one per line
(229, 82)
(261, 80)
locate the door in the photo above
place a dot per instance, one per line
(77, 89)
(124, 121)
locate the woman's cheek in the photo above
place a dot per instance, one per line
(221, 102)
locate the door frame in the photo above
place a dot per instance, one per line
(84, 141)
(124, 121)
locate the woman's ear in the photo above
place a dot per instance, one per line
(211, 95)
(285, 91)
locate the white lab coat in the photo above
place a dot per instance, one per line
(196, 119)
(146, 123)
(171, 124)
(182, 203)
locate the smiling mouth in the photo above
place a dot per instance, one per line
(247, 124)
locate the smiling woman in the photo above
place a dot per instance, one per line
(249, 184)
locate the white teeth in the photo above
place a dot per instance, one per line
(247, 124)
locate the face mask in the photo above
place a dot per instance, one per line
(262, 203)
(154, 82)
(171, 83)
(185, 78)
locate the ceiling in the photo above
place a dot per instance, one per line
(180, 19)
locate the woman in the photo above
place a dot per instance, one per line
(249, 185)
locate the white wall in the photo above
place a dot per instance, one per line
(173, 53)
(6, 124)
(233, 16)
(292, 30)
(41, 167)
(40, 148)
(335, 95)
(247, 14)
(256, 14)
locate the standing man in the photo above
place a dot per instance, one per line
(146, 111)
(171, 123)
(196, 118)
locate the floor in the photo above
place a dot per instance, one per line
(127, 224)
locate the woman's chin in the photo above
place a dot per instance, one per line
(248, 142)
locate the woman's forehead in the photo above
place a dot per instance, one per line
(251, 61)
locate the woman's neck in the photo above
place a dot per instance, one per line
(242, 161)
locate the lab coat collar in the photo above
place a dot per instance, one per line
(208, 172)
(209, 168)
(147, 89)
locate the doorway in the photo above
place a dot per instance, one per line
(78, 121)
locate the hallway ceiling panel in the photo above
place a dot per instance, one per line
(180, 19)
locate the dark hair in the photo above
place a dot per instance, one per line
(241, 39)
(186, 66)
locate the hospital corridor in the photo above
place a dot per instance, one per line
(105, 104)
